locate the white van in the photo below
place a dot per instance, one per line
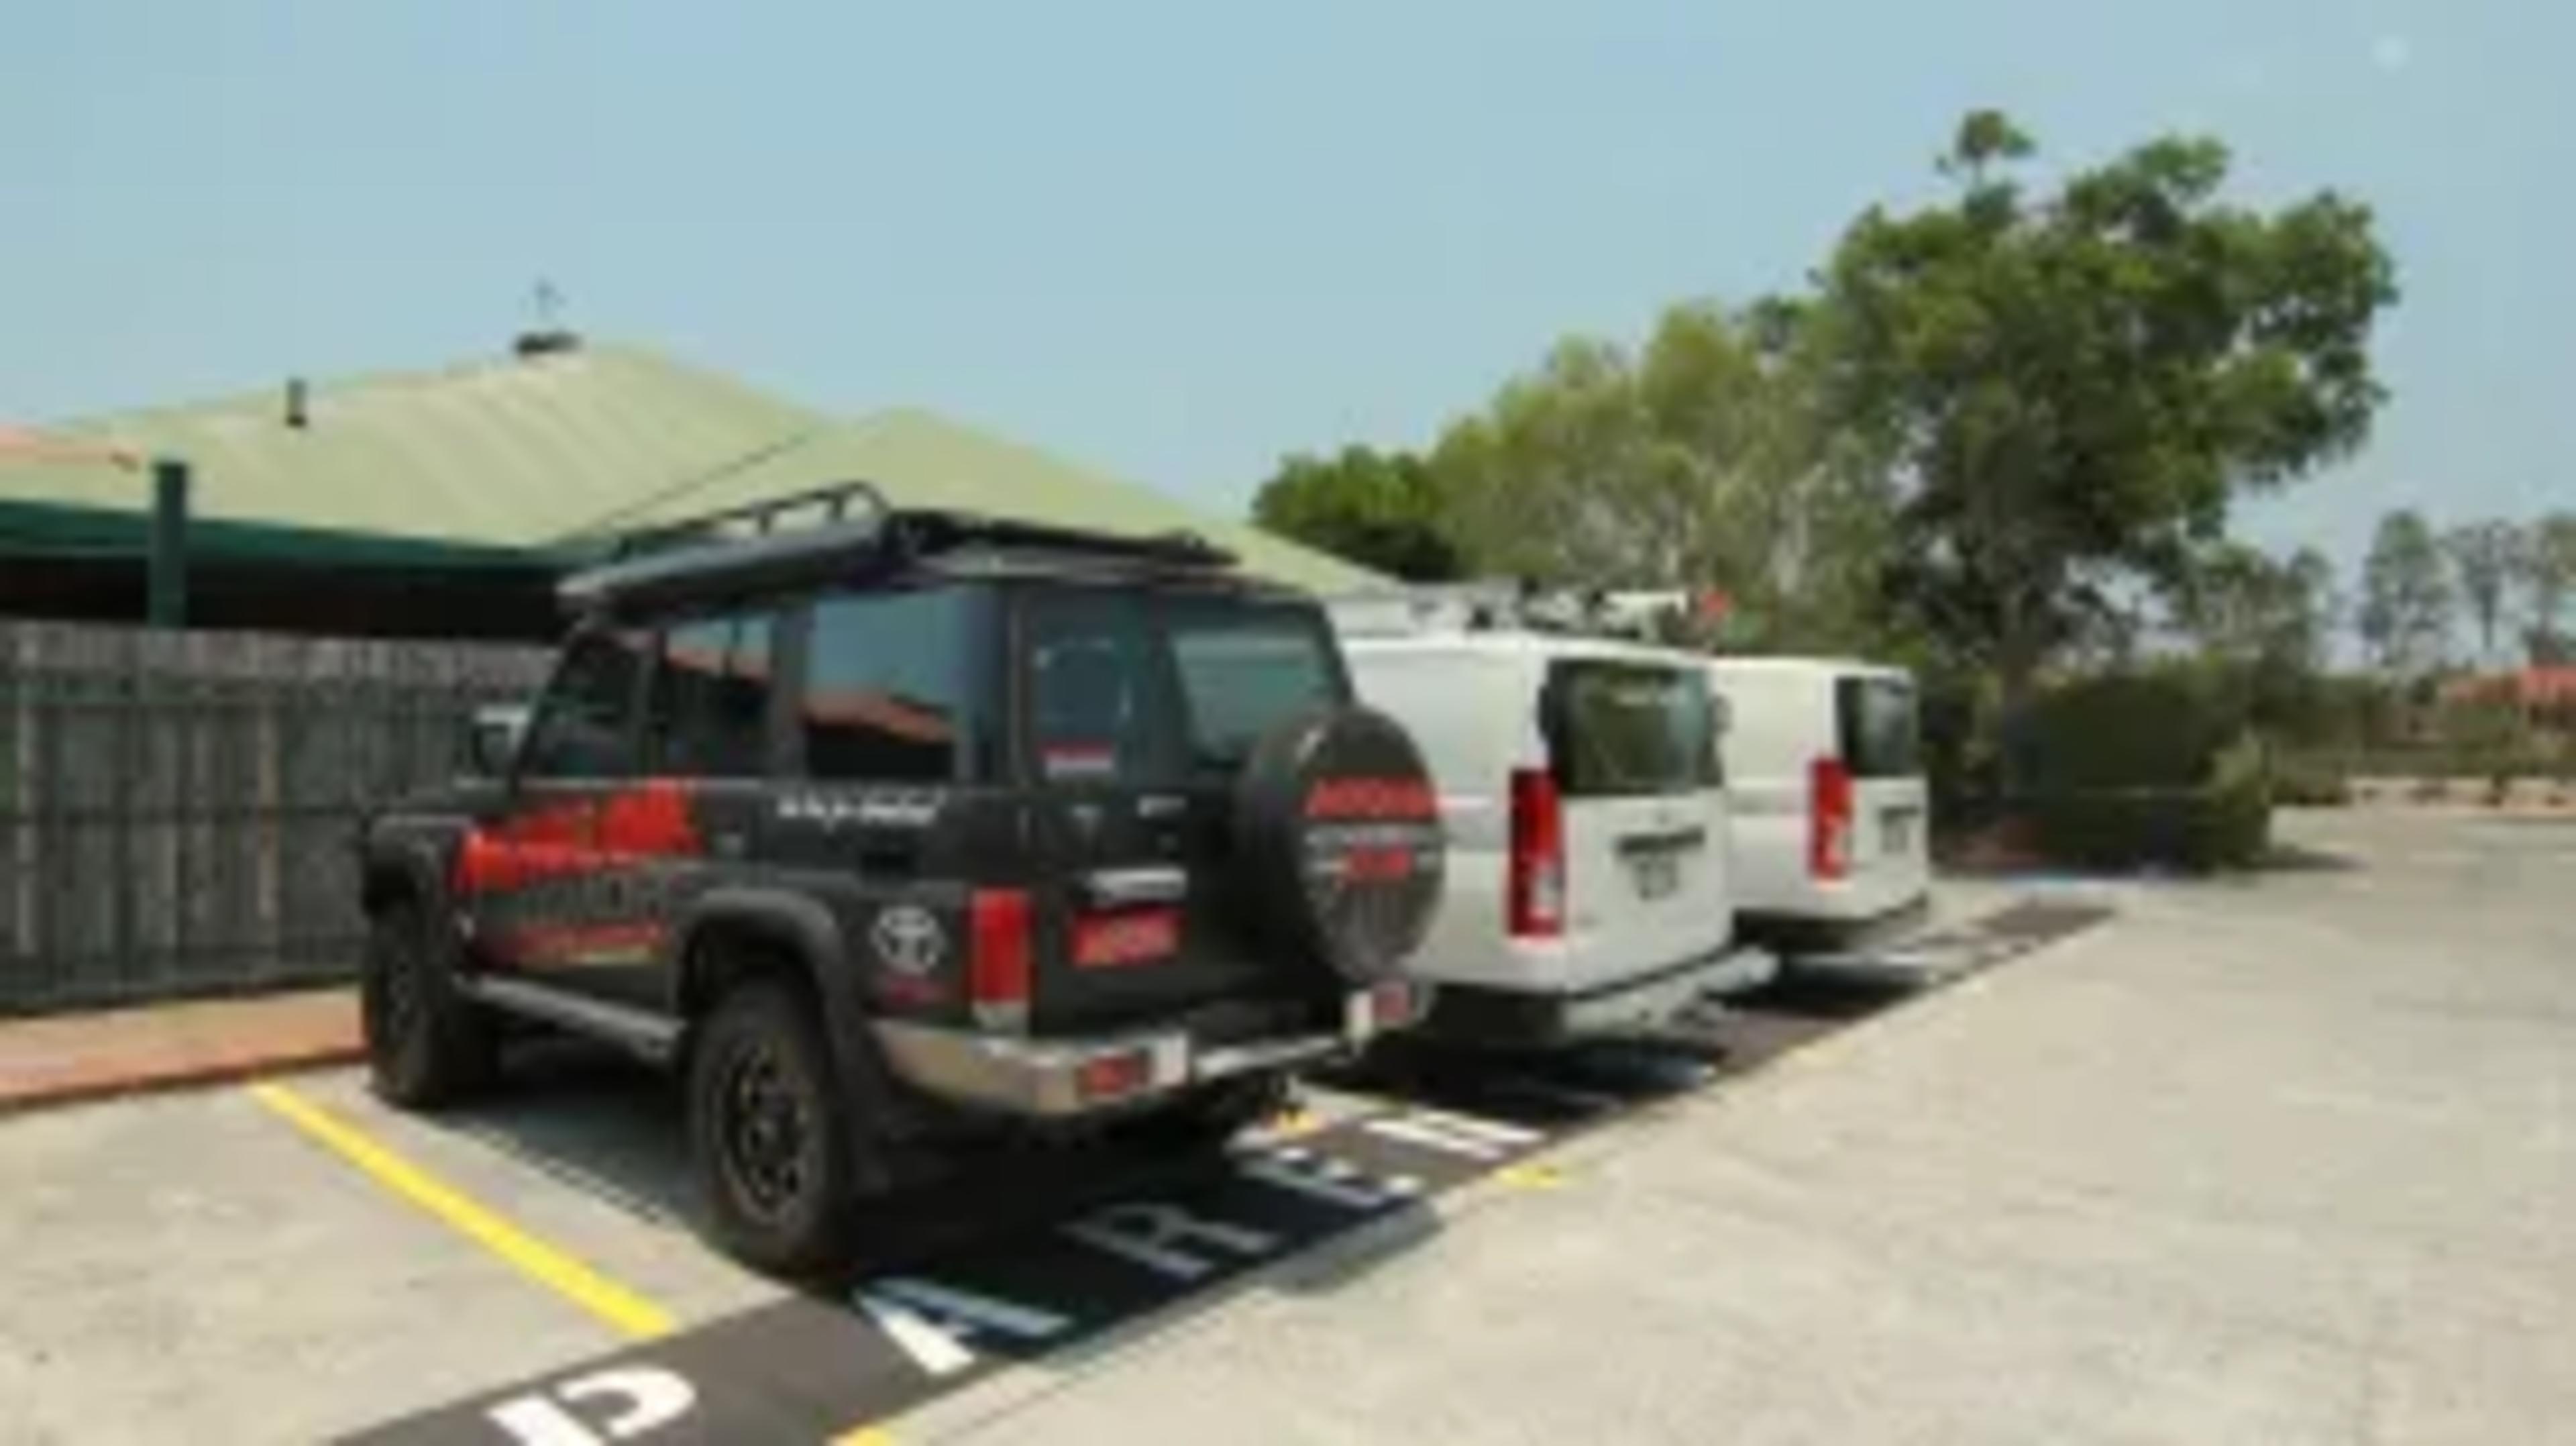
(1831, 810)
(1588, 890)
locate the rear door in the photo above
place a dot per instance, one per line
(1138, 710)
(1632, 744)
(1879, 742)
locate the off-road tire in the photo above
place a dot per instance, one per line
(770, 1136)
(427, 1044)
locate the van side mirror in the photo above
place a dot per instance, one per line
(492, 738)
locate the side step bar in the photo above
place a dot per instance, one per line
(654, 1037)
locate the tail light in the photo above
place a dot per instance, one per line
(998, 964)
(1829, 820)
(1537, 885)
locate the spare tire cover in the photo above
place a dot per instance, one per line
(1340, 848)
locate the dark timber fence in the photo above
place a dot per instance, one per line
(177, 808)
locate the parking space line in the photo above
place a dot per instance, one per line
(622, 1309)
(865, 1436)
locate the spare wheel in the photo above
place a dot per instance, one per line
(1339, 843)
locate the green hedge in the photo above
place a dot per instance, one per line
(2153, 768)
(2224, 824)
(2310, 781)
(2160, 727)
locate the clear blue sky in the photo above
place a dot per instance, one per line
(1178, 239)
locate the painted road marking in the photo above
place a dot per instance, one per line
(931, 1322)
(1477, 1139)
(807, 1366)
(1530, 1175)
(622, 1309)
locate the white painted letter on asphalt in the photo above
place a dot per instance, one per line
(1148, 1232)
(1457, 1134)
(1335, 1182)
(644, 1397)
(931, 1322)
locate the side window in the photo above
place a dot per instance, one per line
(1092, 691)
(710, 703)
(581, 727)
(885, 687)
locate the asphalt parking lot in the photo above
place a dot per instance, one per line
(2268, 1161)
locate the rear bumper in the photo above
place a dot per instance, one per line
(1796, 934)
(1070, 1078)
(1485, 1016)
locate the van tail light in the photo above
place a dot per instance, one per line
(999, 959)
(1829, 820)
(1537, 885)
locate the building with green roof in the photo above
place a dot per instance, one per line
(445, 503)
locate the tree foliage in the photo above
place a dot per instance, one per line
(2544, 576)
(2072, 385)
(2243, 606)
(2405, 613)
(2484, 556)
(1699, 460)
(1381, 510)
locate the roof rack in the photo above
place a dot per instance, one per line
(1506, 606)
(697, 554)
(763, 517)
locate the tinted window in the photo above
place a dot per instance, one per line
(1092, 690)
(581, 729)
(1243, 669)
(710, 706)
(1630, 728)
(1879, 734)
(885, 686)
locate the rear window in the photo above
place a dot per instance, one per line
(1630, 728)
(1125, 686)
(1879, 736)
(1243, 669)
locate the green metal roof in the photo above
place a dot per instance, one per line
(542, 452)
(923, 460)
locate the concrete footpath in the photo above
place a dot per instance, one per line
(2283, 1161)
(67, 1058)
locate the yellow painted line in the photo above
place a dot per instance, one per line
(1295, 1122)
(864, 1436)
(1530, 1176)
(621, 1308)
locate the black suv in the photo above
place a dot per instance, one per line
(898, 831)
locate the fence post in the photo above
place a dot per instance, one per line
(169, 556)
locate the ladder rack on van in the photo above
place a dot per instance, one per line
(1497, 606)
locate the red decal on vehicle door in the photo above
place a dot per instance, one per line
(651, 819)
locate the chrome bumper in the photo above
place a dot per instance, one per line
(1061, 1078)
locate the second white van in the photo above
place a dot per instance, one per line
(1589, 888)
(1831, 809)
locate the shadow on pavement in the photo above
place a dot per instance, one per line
(2297, 859)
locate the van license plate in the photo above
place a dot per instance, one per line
(1896, 831)
(1658, 874)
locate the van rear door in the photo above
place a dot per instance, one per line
(1631, 744)
(1880, 748)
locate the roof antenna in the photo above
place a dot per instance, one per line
(549, 335)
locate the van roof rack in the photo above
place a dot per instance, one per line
(853, 526)
(1508, 606)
